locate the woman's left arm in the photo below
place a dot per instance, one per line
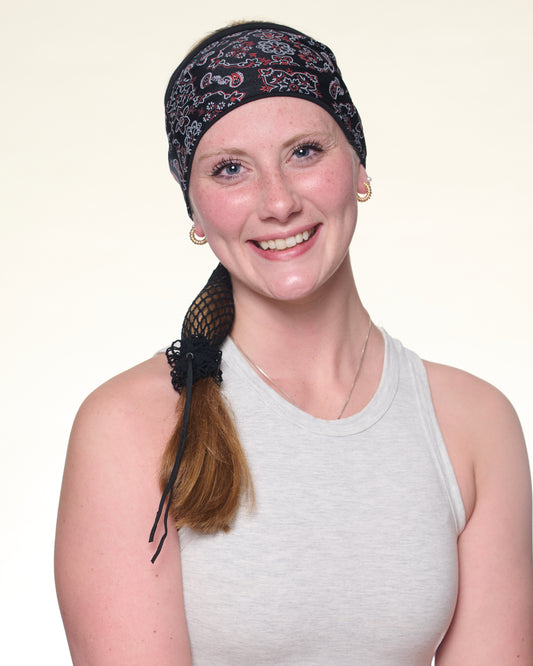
(493, 620)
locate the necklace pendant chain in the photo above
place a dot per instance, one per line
(285, 395)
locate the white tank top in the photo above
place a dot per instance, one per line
(350, 555)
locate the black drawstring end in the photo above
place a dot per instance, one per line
(169, 488)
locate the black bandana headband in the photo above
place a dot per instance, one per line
(244, 63)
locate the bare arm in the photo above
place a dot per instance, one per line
(493, 621)
(118, 607)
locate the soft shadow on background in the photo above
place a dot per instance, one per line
(97, 266)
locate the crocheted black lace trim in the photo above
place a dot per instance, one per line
(206, 361)
(206, 325)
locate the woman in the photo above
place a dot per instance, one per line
(338, 500)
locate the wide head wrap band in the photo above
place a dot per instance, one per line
(243, 63)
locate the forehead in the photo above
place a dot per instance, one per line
(272, 118)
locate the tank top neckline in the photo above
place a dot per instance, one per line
(235, 365)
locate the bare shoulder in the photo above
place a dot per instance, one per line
(148, 381)
(479, 425)
(138, 402)
(493, 621)
(459, 390)
(116, 605)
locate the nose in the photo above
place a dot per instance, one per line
(279, 198)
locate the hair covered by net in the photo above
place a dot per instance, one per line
(206, 325)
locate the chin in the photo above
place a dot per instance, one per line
(294, 288)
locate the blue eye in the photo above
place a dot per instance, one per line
(232, 169)
(306, 149)
(227, 168)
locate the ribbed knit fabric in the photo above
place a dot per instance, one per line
(350, 555)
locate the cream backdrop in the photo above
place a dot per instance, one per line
(97, 265)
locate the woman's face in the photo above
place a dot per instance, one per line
(273, 188)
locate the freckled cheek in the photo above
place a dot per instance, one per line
(334, 192)
(221, 213)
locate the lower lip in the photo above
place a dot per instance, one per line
(290, 252)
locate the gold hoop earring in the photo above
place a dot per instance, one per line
(197, 240)
(366, 196)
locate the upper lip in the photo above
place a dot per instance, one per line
(283, 235)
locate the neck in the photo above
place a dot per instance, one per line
(311, 348)
(333, 314)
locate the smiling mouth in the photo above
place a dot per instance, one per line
(278, 244)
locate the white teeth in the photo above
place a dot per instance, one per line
(284, 243)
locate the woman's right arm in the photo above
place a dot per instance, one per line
(117, 607)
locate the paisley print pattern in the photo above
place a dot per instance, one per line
(244, 63)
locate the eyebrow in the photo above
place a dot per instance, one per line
(239, 152)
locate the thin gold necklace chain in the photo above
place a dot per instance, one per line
(268, 378)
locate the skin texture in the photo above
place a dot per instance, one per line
(299, 316)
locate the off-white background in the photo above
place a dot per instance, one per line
(96, 265)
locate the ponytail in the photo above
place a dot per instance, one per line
(204, 472)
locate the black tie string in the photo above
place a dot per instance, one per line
(169, 488)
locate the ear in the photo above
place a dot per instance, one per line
(198, 230)
(362, 178)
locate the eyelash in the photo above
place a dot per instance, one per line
(223, 164)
